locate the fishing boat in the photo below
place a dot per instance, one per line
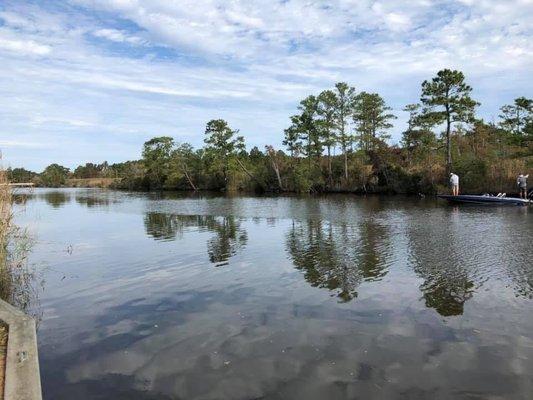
(484, 199)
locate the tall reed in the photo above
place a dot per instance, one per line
(17, 277)
(6, 219)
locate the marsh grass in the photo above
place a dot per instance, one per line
(6, 215)
(17, 277)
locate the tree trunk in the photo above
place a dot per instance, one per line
(244, 169)
(248, 172)
(448, 143)
(189, 179)
(344, 147)
(309, 151)
(272, 154)
(345, 163)
(330, 174)
(278, 175)
(276, 170)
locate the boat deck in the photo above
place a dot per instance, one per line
(485, 200)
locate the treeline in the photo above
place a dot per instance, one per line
(337, 141)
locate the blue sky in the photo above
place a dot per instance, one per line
(91, 80)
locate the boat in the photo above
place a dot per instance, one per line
(484, 199)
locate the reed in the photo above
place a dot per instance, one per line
(17, 277)
(6, 219)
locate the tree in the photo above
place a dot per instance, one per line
(414, 115)
(306, 127)
(256, 155)
(516, 117)
(292, 138)
(223, 144)
(89, 170)
(54, 175)
(156, 158)
(345, 95)
(20, 175)
(418, 133)
(326, 110)
(372, 119)
(446, 98)
(181, 159)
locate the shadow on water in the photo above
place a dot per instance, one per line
(229, 237)
(339, 257)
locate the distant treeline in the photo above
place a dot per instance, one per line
(337, 142)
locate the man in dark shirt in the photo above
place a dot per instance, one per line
(522, 185)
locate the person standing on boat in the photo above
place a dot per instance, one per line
(454, 183)
(522, 185)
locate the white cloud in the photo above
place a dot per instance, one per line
(24, 47)
(397, 21)
(116, 35)
(65, 122)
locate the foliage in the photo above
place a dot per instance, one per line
(305, 133)
(372, 119)
(517, 118)
(156, 159)
(54, 175)
(20, 175)
(223, 146)
(91, 170)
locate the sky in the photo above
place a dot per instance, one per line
(92, 80)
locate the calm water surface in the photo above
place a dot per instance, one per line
(200, 297)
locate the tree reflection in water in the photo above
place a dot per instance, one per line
(92, 201)
(229, 236)
(339, 257)
(56, 199)
(445, 293)
(440, 257)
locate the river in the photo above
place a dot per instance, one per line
(183, 296)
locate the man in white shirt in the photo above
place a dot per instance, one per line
(454, 182)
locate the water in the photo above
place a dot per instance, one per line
(340, 297)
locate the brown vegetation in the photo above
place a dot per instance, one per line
(91, 182)
(16, 277)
